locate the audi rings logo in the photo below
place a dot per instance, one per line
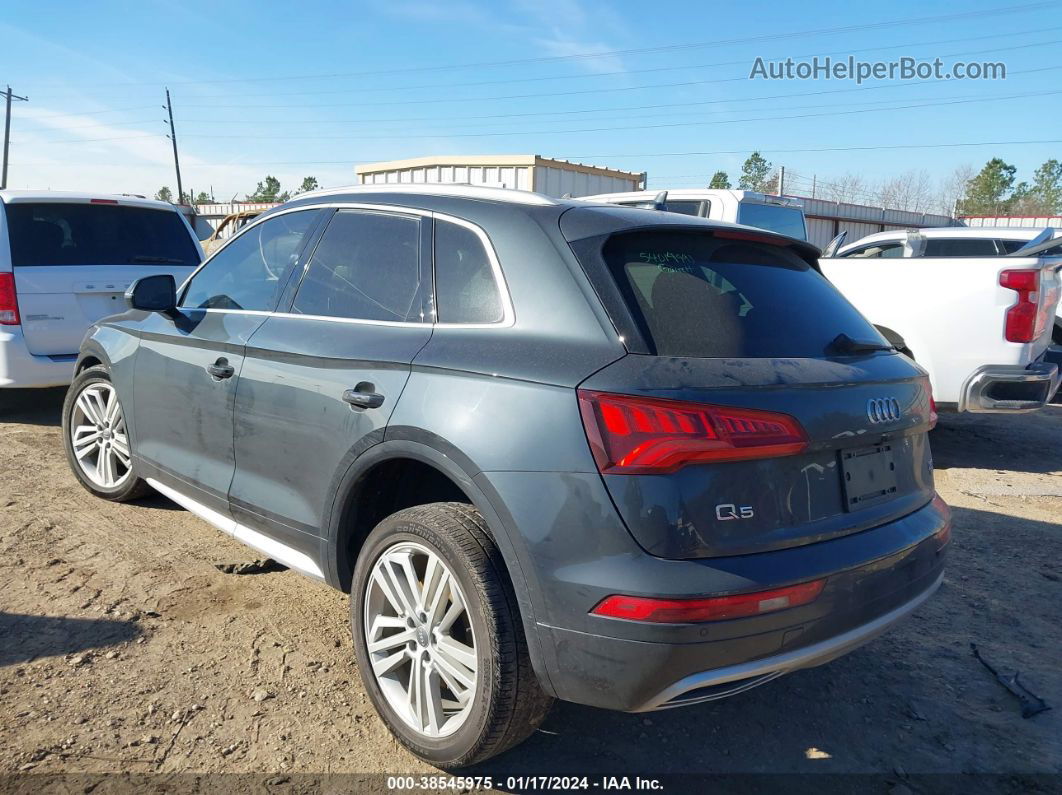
(883, 410)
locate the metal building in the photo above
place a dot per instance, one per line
(522, 172)
(827, 219)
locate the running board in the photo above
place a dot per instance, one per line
(278, 551)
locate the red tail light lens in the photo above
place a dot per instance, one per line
(1023, 321)
(932, 404)
(8, 300)
(650, 436)
(716, 608)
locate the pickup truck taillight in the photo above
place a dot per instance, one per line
(633, 435)
(1025, 321)
(8, 300)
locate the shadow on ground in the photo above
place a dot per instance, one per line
(32, 406)
(1013, 442)
(24, 638)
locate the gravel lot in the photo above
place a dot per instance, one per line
(123, 647)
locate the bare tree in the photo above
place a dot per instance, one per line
(850, 188)
(912, 191)
(953, 189)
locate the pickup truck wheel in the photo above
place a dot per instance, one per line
(97, 440)
(438, 638)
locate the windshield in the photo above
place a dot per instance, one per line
(51, 233)
(697, 295)
(783, 220)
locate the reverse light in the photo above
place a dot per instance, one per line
(1024, 320)
(8, 300)
(715, 608)
(631, 435)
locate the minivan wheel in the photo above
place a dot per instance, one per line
(438, 638)
(97, 439)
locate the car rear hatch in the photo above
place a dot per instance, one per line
(756, 410)
(73, 260)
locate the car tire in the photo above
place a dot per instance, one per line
(89, 405)
(504, 703)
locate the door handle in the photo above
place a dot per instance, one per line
(221, 369)
(363, 396)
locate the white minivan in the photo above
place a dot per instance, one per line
(66, 260)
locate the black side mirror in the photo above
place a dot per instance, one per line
(153, 294)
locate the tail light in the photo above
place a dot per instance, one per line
(631, 435)
(943, 535)
(932, 405)
(716, 608)
(8, 300)
(1025, 322)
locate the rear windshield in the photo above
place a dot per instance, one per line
(97, 234)
(696, 295)
(783, 220)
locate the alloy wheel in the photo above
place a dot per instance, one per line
(420, 640)
(98, 436)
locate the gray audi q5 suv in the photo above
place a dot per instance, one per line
(622, 457)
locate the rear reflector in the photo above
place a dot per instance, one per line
(651, 436)
(943, 535)
(716, 608)
(8, 300)
(1024, 320)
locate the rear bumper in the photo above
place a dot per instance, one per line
(1009, 388)
(630, 666)
(20, 368)
(728, 681)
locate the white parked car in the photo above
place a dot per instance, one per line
(761, 210)
(66, 260)
(980, 325)
(954, 241)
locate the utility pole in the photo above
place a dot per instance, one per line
(7, 132)
(781, 180)
(173, 140)
(814, 179)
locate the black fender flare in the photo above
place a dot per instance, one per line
(438, 453)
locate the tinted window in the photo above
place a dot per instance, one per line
(97, 234)
(465, 288)
(783, 220)
(960, 247)
(696, 295)
(878, 250)
(250, 272)
(366, 267)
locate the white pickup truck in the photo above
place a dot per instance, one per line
(980, 325)
(762, 210)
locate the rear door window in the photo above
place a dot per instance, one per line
(365, 267)
(465, 288)
(696, 295)
(51, 233)
(787, 221)
(960, 247)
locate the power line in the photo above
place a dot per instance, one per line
(772, 150)
(669, 125)
(1004, 10)
(585, 76)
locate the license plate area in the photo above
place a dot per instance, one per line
(868, 476)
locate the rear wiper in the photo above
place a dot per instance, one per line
(842, 343)
(149, 258)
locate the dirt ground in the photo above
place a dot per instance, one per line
(123, 648)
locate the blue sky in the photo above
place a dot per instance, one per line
(314, 87)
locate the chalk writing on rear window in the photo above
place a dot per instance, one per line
(667, 258)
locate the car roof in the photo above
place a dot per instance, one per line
(690, 194)
(477, 192)
(78, 197)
